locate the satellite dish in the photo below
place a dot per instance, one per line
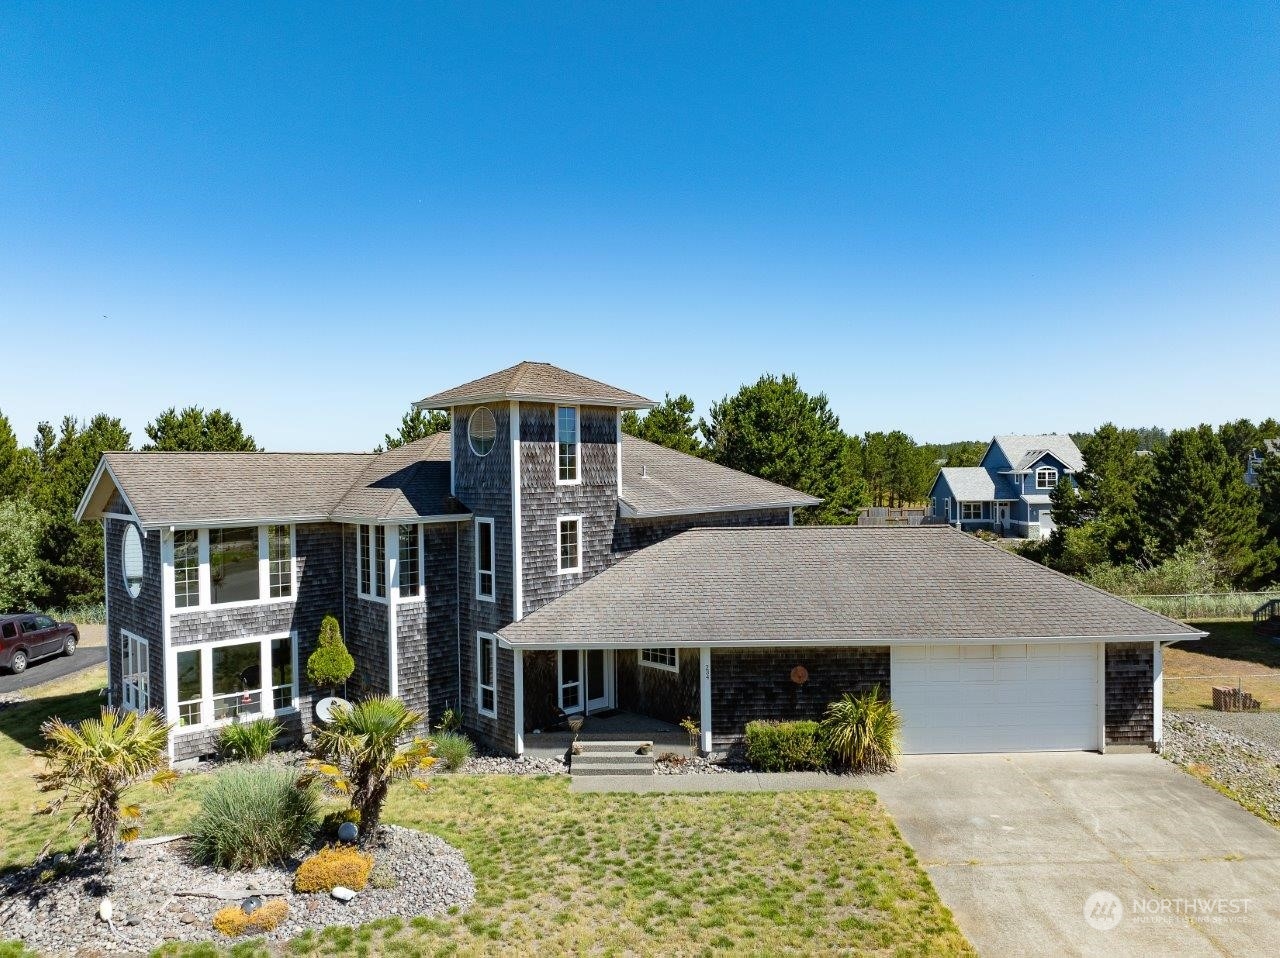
(325, 708)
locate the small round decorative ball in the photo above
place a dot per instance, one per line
(347, 832)
(251, 904)
(799, 675)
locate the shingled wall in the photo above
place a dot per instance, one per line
(1130, 692)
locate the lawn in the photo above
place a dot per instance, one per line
(1230, 654)
(557, 873)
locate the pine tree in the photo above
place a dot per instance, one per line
(194, 430)
(670, 424)
(414, 425)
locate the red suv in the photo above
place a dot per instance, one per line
(28, 636)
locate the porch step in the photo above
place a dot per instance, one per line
(613, 758)
(610, 768)
(614, 745)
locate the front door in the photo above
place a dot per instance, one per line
(1002, 511)
(586, 680)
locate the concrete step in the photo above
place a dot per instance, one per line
(613, 758)
(614, 746)
(609, 768)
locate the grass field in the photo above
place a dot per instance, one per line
(758, 873)
(1231, 653)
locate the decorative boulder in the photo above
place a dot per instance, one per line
(342, 893)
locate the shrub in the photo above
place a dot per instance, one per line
(232, 921)
(450, 721)
(93, 764)
(382, 877)
(786, 746)
(332, 866)
(863, 732)
(330, 824)
(250, 817)
(330, 664)
(452, 749)
(248, 741)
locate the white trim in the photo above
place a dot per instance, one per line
(650, 664)
(1102, 698)
(704, 698)
(422, 570)
(471, 417)
(393, 599)
(453, 435)
(860, 642)
(517, 700)
(628, 511)
(517, 543)
(372, 594)
(166, 628)
(266, 695)
(582, 701)
(134, 640)
(791, 516)
(560, 521)
(577, 445)
(1157, 710)
(537, 398)
(493, 573)
(480, 686)
(106, 609)
(618, 449)
(1046, 469)
(102, 467)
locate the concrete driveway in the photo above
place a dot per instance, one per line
(1017, 844)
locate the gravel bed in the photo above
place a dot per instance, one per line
(505, 765)
(682, 763)
(1260, 727)
(1248, 767)
(60, 916)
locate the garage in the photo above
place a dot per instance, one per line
(997, 698)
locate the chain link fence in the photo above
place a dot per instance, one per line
(1226, 692)
(1204, 606)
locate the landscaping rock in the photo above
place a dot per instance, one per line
(342, 894)
(1248, 767)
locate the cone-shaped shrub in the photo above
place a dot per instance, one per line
(330, 664)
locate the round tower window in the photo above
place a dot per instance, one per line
(482, 431)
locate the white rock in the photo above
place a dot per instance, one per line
(342, 893)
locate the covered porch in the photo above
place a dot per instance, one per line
(611, 726)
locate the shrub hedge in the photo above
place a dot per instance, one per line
(787, 746)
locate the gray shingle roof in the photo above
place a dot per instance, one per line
(1022, 451)
(976, 484)
(535, 382)
(658, 481)
(808, 585)
(195, 488)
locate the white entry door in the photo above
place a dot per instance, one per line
(586, 680)
(996, 698)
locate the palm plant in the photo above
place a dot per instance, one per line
(93, 764)
(360, 754)
(862, 731)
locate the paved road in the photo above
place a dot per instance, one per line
(46, 670)
(1018, 845)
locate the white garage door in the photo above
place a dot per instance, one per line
(996, 698)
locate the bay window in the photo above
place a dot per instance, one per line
(224, 681)
(232, 564)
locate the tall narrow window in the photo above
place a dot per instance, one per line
(363, 555)
(484, 558)
(189, 694)
(409, 561)
(280, 561)
(567, 443)
(571, 545)
(136, 674)
(186, 568)
(487, 674)
(282, 689)
(380, 561)
(233, 564)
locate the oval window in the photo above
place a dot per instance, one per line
(482, 430)
(132, 560)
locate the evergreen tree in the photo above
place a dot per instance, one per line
(17, 465)
(21, 527)
(414, 425)
(194, 430)
(775, 430)
(670, 424)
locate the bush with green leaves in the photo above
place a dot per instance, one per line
(247, 741)
(452, 749)
(862, 732)
(786, 746)
(330, 664)
(250, 817)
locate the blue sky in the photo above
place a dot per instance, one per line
(953, 219)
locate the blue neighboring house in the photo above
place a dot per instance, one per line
(1008, 493)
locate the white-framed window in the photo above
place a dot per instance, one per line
(933, 505)
(280, 561)
(487, 674)
(1046, 477)
(971, 510)
(484, 559)
(567, 445)
(570, 665)
(233, 565)
(569, 539)
(482, 431)
(236, 679)
(186, 567)
(135, 677)
(131, 560)
(946, 507)
(409, 566)
(663, 658)
(371, 562)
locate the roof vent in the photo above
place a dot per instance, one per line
(644, 471)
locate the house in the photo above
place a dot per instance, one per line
(534, 561)
(1008, 491)
(1270, 447)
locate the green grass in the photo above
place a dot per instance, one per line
(1231, 653)
(557, 873)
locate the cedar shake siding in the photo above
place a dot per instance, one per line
(364, 627)
(143, 616)
(541, 695)
(483, 485)
(1130, 692)
(660, 693)
(318, 592)
(632, 534)
(749, 684)
(440, 640)
(542, 501)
